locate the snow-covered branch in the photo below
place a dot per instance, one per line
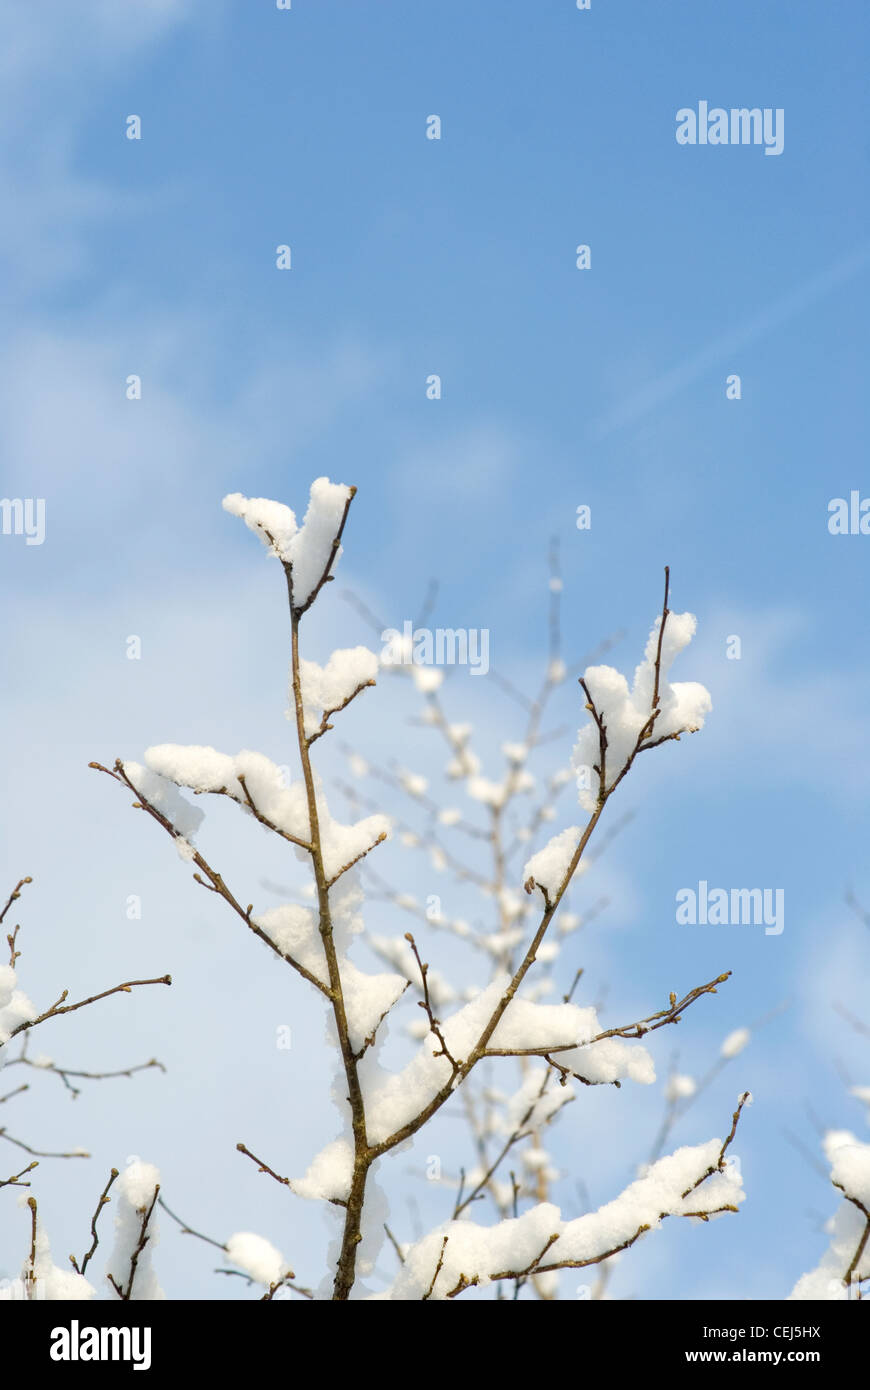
(504, 1018)
(693, 1182)
(846, 1262)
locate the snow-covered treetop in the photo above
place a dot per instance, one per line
(625, 721)
(383, 1107)
(308, 551)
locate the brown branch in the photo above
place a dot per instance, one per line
(566, 998)
(642, 743)
(16, 893)
(59, 1007)
(64, 1072)
(344, 868)
(104, 1199)
(297, 610)
(285, 1182)
(534, 1267)
(325, 726)
(601, 766)
(395, 1244)
(13, 1181)
(538, 1267)
(188, 1230)
(428, 1294)
(426, 1004)
(658, 662)
(258, 815)
(855, 1262)
(363, 1157)
(720, 1162)
(673, 1014)
(263, 1167)
(13, 935)
(30, 1275)
(856, 1259)
(18, 1089)
(247, 804)
(283, 1282)
(369, 1041)
(40, 1153)
(127, 1292)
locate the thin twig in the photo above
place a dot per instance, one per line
(104, 1198)
(395, 1244)
(63, 1073)
(13, 1181)
(12, 937)
(426, 1004)
(41, 1153)
(428, 1294)
(60, 1007)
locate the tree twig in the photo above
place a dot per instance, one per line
(104, 1198)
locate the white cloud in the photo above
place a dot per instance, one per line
(55, 58)
(721, 350)
(71, 435)
(68, 41)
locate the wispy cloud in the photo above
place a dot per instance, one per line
(774, 315)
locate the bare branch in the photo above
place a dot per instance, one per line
(41, 1153)
(64, 1073)
(720, 1163)
(104, 1199)
(297, 610)
(14, 895)
(395, 1244)
(13, 1181)
(30, 1273)
(426, 1004)
(330, 882)
(538, 1266)
(60, 1007)
(428, 1294)
(188, 1230)
(12, 937)
(336, 709)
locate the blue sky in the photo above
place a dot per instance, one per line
(560, 387)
